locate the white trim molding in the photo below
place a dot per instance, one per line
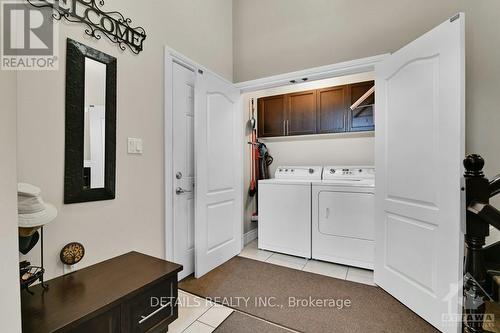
(317, 73)
(311, 137)
(250, 236)
(171, 57)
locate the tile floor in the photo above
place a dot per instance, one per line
(354, 274)
(197, 315)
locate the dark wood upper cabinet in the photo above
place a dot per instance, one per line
(361, 118)
(301, 113)
(271, 116)
(317, 111)
(332, 109)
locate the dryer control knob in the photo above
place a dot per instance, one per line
(311, 170)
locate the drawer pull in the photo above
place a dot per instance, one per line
(144, 318)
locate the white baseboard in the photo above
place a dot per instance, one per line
(248, 237)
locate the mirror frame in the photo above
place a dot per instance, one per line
(74, 191)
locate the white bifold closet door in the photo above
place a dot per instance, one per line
(419, 150)
(219, 172)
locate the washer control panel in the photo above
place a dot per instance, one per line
(299, 172)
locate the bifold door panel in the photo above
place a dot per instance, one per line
(420, 118)
(219, 212)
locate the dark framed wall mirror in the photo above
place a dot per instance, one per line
(90, 152)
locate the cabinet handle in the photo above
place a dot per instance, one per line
(284, 127)
(288, 127)
(144, 318)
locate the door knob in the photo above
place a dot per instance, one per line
(180, 190)
(178, 175)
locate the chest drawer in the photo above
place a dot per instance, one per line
(152, 309)
(108, 322)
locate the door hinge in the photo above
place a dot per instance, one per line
(454, 18)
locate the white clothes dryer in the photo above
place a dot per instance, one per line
(343, 216)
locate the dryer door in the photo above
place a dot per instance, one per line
(346, 214)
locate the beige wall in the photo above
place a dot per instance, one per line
(482, 90)
(10, 314)
(483, 82)
(279, 36)
(200, 29)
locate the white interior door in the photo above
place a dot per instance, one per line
(419, 151)
(218, 142)
(183, 167)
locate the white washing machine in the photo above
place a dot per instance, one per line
(343, 216)
(285, 210)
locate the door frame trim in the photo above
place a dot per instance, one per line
(350, 67)
(171, 57)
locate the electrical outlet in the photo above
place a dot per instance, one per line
(69, 268)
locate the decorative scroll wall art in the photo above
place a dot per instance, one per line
(113, 25)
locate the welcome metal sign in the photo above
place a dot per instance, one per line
(110, 24)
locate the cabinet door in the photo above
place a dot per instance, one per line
(332, 109)
(271, 116)
(108, 322)
(301, 113)
(361, 118)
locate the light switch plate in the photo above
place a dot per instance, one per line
(69, 268)
(134, 146)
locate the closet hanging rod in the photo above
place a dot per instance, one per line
(363, 98)
(363, 106)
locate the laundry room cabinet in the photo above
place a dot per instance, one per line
(290, 114)
(272, 116)
(317, 111)
(361, 118)
(301, 113)
(332, 111)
